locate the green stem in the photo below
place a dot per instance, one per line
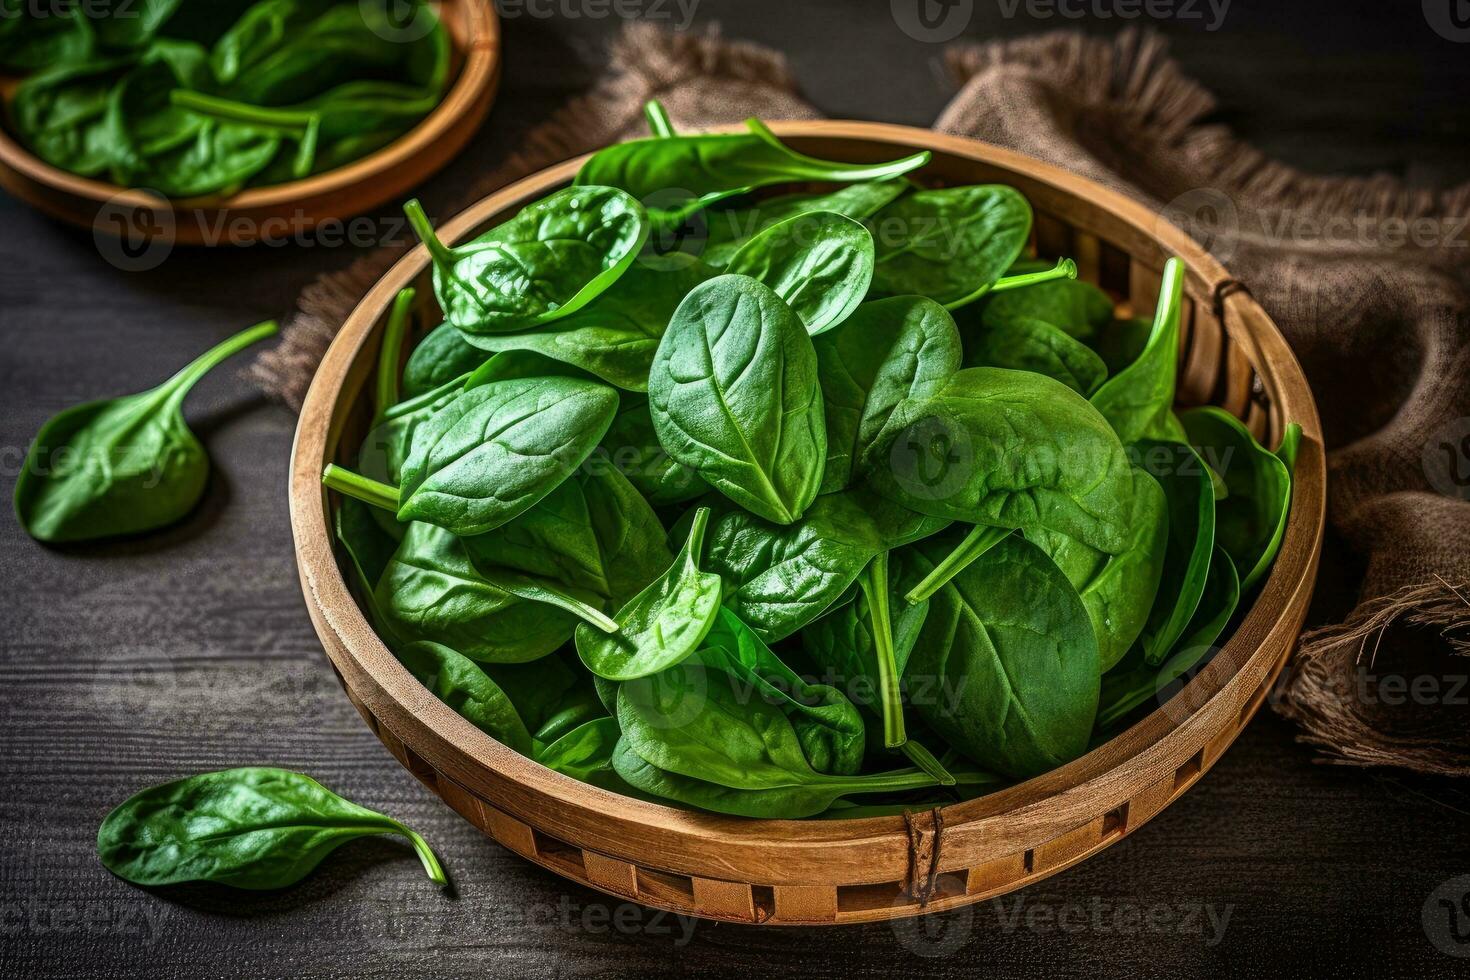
(695, 542)
(367, 490)
(897, 781)
(425, 853)
(244, 112)
(981, 539)
(658, 119)
(817, 169)
(1064, 269)
(391, 352)
(179, 385)
(924, 759)
(875, 587)
(425, 230)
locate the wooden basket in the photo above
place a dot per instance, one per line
(776, 871)
(267, 213)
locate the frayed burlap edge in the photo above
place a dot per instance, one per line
(1320, 692)
(644, 61)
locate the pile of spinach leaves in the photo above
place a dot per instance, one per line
(787, 504)
(189, 98)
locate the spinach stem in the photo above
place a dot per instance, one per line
(924, 759)
(367, 490)
(425, 230)
(875, 588)
(425, 853)
(391, 352)
(981, 539)
(1064, 269)
(179, 385)
(211, 105)
(658, 119)
(816, 169)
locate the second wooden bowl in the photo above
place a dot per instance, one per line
(280, 211)
(821, 871)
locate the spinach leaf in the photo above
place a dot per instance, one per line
(593, 535)
(1124, 690)
(1251, 519)
(950, 245)
(735, 397)
(1008, 660)
(491, 452)
(704, 169)
(1138, 400)
(616, 335)
(726, 231)
(819, 262)
(1027, 344)
(551, 259)
(889, 350)
(1009, 449)
(778, 578)
(1117, 589)
(1079, 309)
(123, 465)
(442, 356)
(586, 753)
(462, 685)
(253, 828)
(32, 39)
(978, 540)
(369, 549)
(61, 112)
(632, 447)
(661, 625)
(431, 591)
(1191, 498)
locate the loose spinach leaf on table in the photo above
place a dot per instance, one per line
(431, 591)
(1007, 660)
(951, 244)
(122, 465)
(704, 169)
(464, 686)
(1138, 400)
(778, 578)
(1191, 498)
(1009, 449)
(661, 625)
(255, 828)
(889, 350)
(735, 397)
(491, 452)
(554, 257)
(1251, 519)
(1117, 589)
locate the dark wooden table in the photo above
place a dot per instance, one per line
(131, 663)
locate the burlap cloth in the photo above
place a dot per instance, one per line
(1370, 282)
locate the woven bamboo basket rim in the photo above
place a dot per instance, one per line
(1160, 754)
(474, 27)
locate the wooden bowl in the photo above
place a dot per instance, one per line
(279, 211)
(777, 871)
